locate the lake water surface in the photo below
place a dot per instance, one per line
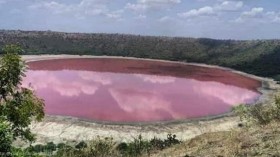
(128, 90)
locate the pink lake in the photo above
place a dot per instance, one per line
(128, 90)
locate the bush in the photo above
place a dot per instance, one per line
(106, 147)
(122, 148)
(162, 144)
(50, 147)
(6, 138)
(38, 148)
(259, 113)
(102, 147)
(97, 148)
(144, 147)
(138, 147)
(81, 145)
(61, 145)
(17, 152)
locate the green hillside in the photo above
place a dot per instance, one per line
(259, 57)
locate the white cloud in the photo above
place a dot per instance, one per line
(164, 19)
(54, 6)
(143, 5)
(273, 16)
(230, 5)
(80, 10)
(254, 13)
(204, 11)
(140, 17)
(115, 14)
(212, 10)
(259, 15)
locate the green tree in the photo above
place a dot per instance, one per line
(18, 106)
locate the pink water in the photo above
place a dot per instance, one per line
(125, 90)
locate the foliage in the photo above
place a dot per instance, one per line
(18, 106)
(96, 148)
(106, 147)
(18, 152)
(38, 148)
(262, 114)
(61, 145)
(6, 138)
(81, 145)
(139, 146)
(162, 144)
(50, 147)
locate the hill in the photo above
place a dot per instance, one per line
(259, 57)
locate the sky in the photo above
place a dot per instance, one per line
(219, 19)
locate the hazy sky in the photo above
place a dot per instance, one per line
(223, 19)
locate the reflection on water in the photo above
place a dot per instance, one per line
(131, 96)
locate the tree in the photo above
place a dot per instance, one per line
(18, 106)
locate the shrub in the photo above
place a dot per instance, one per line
(81, 145)
(17, 152)
(61, 145)
(122, 148)
(6, 138)
(50, 147)
(97, 148)
(162, 144)
(138, 147)
(106, 147)
(259, 113)
(102, 147)
(38, 148)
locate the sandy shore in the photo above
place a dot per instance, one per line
(62, 129)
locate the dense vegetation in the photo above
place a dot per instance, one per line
(259, 57)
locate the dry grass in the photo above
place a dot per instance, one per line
(254, 141)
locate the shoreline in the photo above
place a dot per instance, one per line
(62, 129)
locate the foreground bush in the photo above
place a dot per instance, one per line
(96, 148)
(260, 113)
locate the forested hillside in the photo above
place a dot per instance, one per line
(259, 57)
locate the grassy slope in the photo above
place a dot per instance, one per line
(259, 137)
(253, 141)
